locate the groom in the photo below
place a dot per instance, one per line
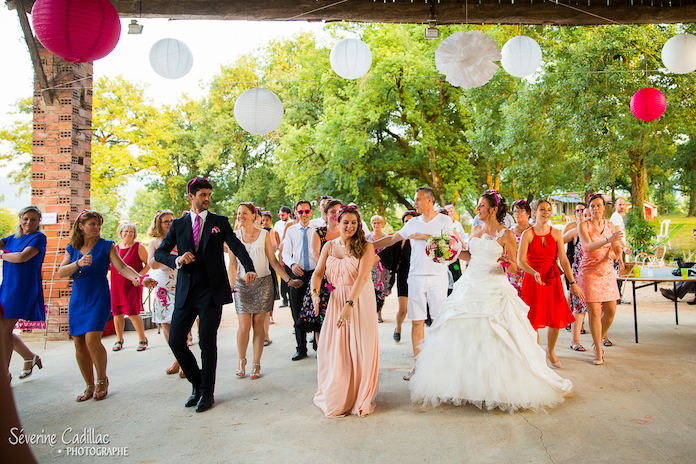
(201, 287)
(427, 280)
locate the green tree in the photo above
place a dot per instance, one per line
(8, 222)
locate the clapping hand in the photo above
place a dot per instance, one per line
(85, 261)
(618, 235)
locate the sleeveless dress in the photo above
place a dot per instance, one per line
(163, 303)
(21, 291)
(348, 357)
(90, 301)
(576, 304)
(548, 306)
(482, 349)
(596, 276)
(517, 278)
(307, 321)
(126, 298)
(256, 297)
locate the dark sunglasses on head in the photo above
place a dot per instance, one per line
(578, 210)
(304, 211)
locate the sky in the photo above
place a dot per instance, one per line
(212, 43)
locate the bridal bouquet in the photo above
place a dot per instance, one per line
(443, 249)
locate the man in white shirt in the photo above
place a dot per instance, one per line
(299, 265)
(427, 280)
(618, 221)
(285, 215)
(322, 220)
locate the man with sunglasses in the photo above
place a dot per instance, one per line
(299, 265)
(202, 286)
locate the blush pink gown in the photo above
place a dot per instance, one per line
(348, 357)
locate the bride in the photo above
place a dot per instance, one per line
(482, 348)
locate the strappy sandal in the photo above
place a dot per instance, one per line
(88, 393)
(267, 342)
(241, 372)
(597, 362)
(607, 342)
(142, 346)
(577, 347)
(35, 361)
(117, 346)
(410, 374)
(255, 371)
(174, 368)
(582, 330)
(102, 389)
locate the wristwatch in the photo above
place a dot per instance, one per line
(350, 302)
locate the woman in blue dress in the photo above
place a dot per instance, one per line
(87, 260)
(21, 292)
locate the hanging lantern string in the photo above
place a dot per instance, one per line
(324, 79)
(586, 12)
(63, 86)
(316, 9)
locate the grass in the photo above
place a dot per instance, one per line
(684, 238)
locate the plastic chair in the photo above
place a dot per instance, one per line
(664, 232)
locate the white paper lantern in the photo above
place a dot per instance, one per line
(258, 111)
(351, 58)
(679, 54)
(467, 59)
(521, 56)
(171, 58)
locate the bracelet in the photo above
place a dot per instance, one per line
(606, 239)
(350, 302)
(572, 283)
(315, 291)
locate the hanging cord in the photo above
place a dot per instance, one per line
(316, 9)
(587, 12)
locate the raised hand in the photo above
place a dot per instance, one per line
(85, 261)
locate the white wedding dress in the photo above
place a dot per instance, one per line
(482, 349)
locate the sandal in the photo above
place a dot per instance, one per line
(267, 342)
(88, 393)
(35, 361)
(117, 346)
(241, 371)
(582, 330)
(142, 346)
(597, 362)
(568, 327)
(380, 320)
(181, 373)
(255, 371)
(607, 342)
(174, 368)
(577, 347)
(410, 374)
(102, 389)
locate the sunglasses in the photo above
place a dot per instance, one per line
(304, 211)
(579, 210)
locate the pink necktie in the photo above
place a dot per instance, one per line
(196, 231)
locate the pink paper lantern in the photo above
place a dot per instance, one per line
(648, 104)
(77, 30)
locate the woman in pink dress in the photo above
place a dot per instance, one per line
(602, 246)
(348, 356)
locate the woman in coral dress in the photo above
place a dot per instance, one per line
(541, 249)
(601, 243)
(348, 355)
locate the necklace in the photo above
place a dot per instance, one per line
(339, 242)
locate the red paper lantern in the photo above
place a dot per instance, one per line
(77, 30)
(648, 104)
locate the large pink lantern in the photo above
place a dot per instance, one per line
(648, 104)
(77, 30)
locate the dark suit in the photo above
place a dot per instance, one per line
(202, 288)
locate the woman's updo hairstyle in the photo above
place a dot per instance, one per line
(496, 199)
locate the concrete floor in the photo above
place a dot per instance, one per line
(639, 407)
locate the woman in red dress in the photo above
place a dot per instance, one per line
(541, 248)
(127, 299)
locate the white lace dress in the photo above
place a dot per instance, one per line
(482, 348)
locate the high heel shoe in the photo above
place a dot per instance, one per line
(595, 361)
(88, 393)
(255, 371)
(102, 389)
(241, 372)
(35, 361)
(557, 365)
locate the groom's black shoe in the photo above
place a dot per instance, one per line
(193, 399)
(205, 403)
(299, 355)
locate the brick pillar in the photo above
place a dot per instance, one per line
(60, 173)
